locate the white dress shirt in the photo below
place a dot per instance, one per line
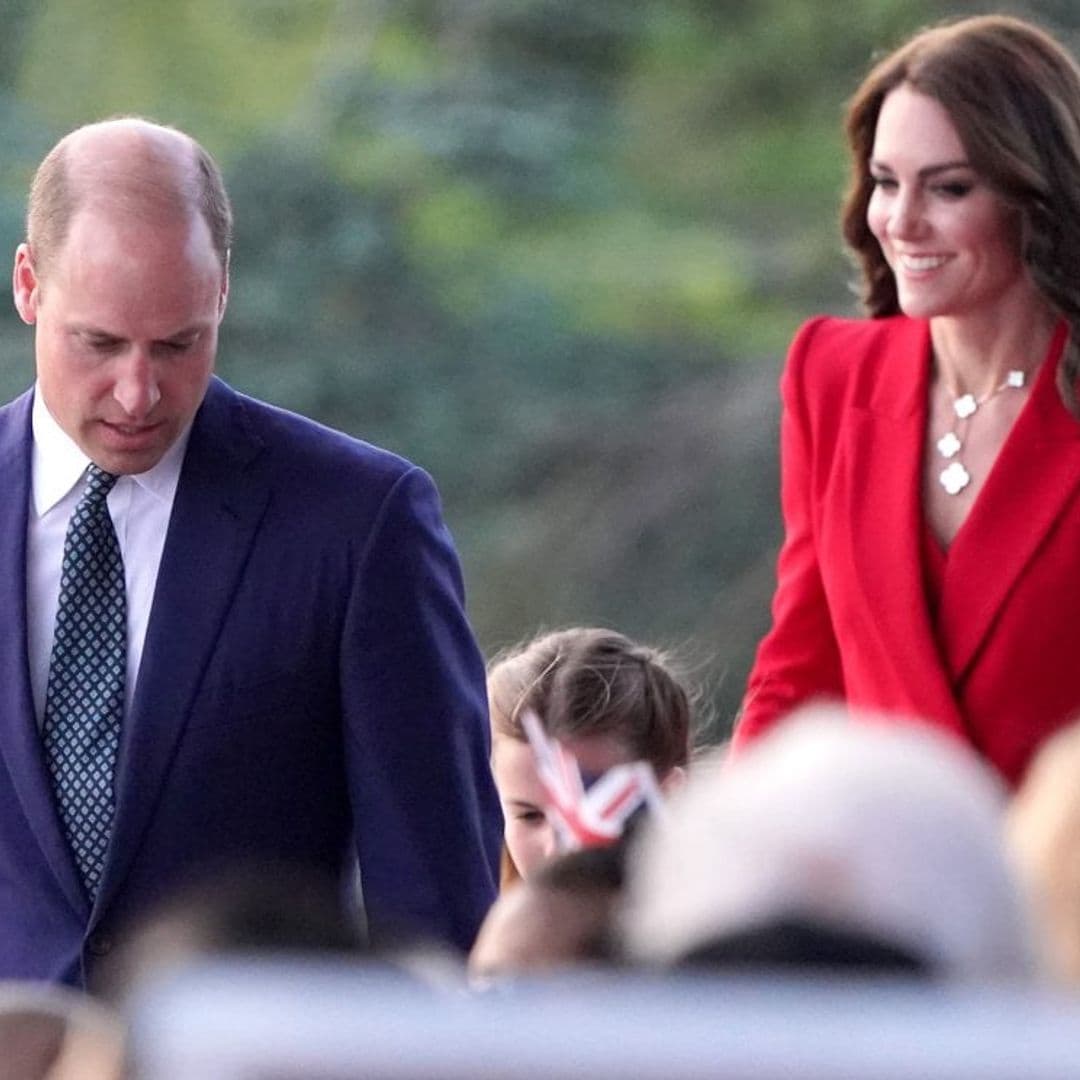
(140, 507)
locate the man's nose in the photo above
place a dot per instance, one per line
(136, 389)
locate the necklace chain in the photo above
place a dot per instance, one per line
(955, 477)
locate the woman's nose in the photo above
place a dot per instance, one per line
(906, 217)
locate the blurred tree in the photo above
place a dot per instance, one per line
(551, 250)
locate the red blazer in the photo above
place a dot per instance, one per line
(999, 665)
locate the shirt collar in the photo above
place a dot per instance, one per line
(58, 463)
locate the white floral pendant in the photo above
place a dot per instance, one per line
(954, 478)
(948, 445)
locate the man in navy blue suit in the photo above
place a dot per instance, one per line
(297, 682)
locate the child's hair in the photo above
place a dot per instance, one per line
(586, 681)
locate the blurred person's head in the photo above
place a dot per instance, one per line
(605, 698)
(1043, 838)
(54, 1033)
(124, 277)
(802, 945)
(561, 917)
(251, 908)
(876, 842)
(1012, 95)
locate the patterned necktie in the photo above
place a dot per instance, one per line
(84, 702)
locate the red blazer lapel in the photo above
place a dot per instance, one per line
(884, 509)
(1035, 477)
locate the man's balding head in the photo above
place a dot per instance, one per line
(124, 279)
(128, 166)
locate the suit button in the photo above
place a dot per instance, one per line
(99, 944)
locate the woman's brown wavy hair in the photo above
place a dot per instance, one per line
(1013, 93)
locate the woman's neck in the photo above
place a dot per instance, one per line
(975, 354)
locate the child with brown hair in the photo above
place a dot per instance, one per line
(606, 699)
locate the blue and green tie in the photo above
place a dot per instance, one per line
(84, 702)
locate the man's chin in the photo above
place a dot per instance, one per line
(125, 451)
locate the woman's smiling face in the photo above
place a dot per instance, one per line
(951, 241)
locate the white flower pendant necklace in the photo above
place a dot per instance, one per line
(955, 477)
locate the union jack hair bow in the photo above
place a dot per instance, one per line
(596, 815)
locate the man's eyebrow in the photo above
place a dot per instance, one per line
(195, 327)
(92, 331)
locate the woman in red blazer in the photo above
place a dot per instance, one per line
(931, 453)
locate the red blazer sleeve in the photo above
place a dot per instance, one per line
(798, 659)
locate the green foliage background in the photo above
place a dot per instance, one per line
(551, 250)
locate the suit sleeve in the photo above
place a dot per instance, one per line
(798, 659)
(426, 816)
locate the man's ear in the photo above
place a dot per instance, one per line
(223, 295)
(24, 285)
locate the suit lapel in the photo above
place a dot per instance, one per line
(1035, 477)
(219, 501)
(20, 740)
(885, 451)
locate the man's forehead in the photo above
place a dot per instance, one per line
(114, 267)
(104, 230)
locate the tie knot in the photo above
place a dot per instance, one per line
(98, 481)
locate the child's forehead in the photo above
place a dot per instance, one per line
(596, 753)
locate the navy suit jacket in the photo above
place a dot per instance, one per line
(309, 692)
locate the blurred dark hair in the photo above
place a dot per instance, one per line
(595, 878)
(263, 908)
(800, 945)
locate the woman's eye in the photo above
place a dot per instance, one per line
(955, 189)
(532, 817)
(885, 182)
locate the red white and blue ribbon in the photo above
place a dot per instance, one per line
(596, 815)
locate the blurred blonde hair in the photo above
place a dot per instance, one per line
(1043, 837)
